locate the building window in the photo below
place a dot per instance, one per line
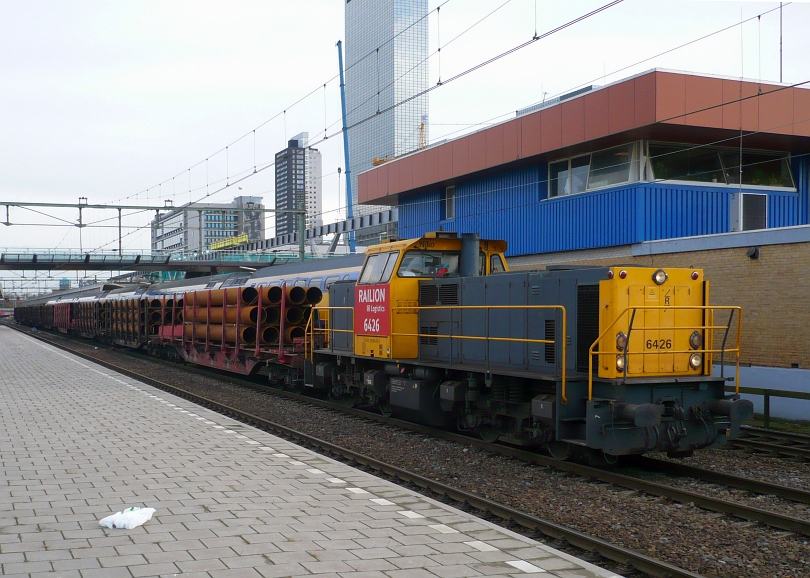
(720, 165)
(592, 171)
(450, 202)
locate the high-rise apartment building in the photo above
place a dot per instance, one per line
(386, 63)
(298, 183)
(194, 226)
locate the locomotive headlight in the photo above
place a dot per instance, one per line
(621, 361)
(696, 340)
(695, 360)
(660, 277)
(621, 340)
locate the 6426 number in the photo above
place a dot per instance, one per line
(659, 344)
(372, 325)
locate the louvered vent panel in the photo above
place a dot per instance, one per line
(428, 295)
(448, 294)
(424, 339)
(587, 322)
(551, 333)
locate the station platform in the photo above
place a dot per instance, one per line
(78, 442)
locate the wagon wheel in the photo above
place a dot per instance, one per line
(488, 433)
(559, 450)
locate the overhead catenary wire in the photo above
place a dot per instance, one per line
(326, 136)
(437, 9)
(459, 75)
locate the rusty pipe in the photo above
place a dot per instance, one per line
(272, 315)
(294, 315)
(314, 295)
(293, 332)
(216, 333)
(250, 314)
(271, 296)
(269, 335)
(248, 296)
(296, 295)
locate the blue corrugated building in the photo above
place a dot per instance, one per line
(657, 156)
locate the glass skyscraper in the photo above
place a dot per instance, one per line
(386, 63)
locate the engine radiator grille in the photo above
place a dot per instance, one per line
(587, 322)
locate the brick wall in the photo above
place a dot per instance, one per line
(772, 291)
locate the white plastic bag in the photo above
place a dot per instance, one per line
(129, 518)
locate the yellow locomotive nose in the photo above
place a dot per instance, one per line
(657, 318)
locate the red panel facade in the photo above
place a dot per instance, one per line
(406, 173)
(551, 133)
(622, 106)
(801, 112)
(596, 114)
(477, 151)
(530, 131)
(382, 182)
(393, 177)
(420, 170)
(701, 94)
(644, 91)
(670, 97)
(700, 102)
(431, 165)
(573, 121)
(461, 155)
(495, 144)
(366, 182)
(776, 110)
(511, 141)
(446, 162)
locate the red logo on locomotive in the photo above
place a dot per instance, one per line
(372, 312)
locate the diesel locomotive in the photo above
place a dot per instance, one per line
(580, 360)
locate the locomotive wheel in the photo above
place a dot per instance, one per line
(488, 433)
(344, 401)
(559, 450)
(600, 459)
(386, 410)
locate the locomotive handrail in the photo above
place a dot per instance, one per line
(311, 329)
(564, 398)
(711, 309)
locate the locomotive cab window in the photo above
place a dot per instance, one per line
(496, 264)
(378, 268)
(429, 264)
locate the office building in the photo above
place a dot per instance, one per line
(193, 227)
(298, 183)
(386, 63)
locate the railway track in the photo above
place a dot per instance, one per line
(787, 444)
(608, 476)
(639, 561)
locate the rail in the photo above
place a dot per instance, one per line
(709, 309)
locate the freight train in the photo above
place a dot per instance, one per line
(590, 361)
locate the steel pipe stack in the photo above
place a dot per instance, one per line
(214, 315)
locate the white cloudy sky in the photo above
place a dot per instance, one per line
(109, 99)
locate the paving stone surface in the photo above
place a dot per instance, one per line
(79, 442)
